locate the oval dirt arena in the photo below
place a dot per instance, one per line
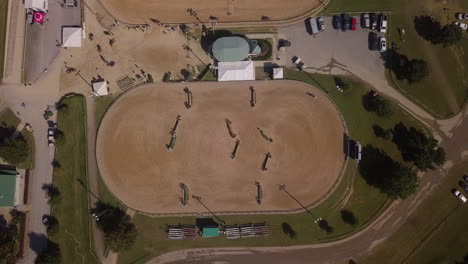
(139, 11)
(306, 147)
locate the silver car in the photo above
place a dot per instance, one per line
(29, 18)
(321, 23)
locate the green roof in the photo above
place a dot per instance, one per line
(210, 232)
(230, 49)
(7, 187)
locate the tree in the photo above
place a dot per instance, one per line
(450, 35)
(119, 232)
(122, 237)
(417, 70)
(52, 192)
(59, 137)
(403, 183)
(342, 83)
(439, 156)
(418, 148)
(50, 255)
(323, 224)
(288, 230)
(377, 104)
(14, 151)
(8, 242)
(381, 132)
(405, 69)
(391, 177)
(52, 225)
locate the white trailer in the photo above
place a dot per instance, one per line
(37, 5)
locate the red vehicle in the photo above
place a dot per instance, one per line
(353, 23)
(39, 17)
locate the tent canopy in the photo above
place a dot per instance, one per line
(210, 231)
(277, 73)
(39, 5)
(71, 36)
(100, 88)
(230, 49)
(8, 188)
(236, 71)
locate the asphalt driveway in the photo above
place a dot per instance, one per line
(348, 50)
(41, 40)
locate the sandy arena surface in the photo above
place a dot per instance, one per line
(138, 11)
(307, 148)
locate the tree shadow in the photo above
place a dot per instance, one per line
(380, 132)
(397, 63)
(376, 167)
(211, 36)
(288, 230)
(37, 242)
(349, 217)
(428, 28)
(325, 226)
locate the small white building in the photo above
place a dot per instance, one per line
(236, 71)
(37, 5)
(278, 73)
(100, 88)
(71, 37)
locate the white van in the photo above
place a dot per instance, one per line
(313, 26)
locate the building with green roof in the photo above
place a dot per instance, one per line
(210, 231)
(230, 49)
(9, 187)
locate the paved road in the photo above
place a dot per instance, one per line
(41, 40)
(93, 175)
(36, 101)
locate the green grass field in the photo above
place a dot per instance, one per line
(444, 91)
(430, 235)
(8, 118)
(72, 211)
(352, 194)
(3, 29)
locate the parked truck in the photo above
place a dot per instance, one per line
(314, 30)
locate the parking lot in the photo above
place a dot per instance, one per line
(41, 40)
(334, 51)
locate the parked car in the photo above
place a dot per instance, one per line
(383, 44)
(383, 23)
(365, 20)
(321, 23)
(373, 20)
(463, 185)
(461, 25)
(461, 16)
(345, 19)
(373, 41)
(353, 23)
(336, 22)
(459, 195)
(284, 43)
(30, 18)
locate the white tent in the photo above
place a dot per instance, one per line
(236, 71)
(38, 5)
(71, 36)
(277, 73)
(100, 88)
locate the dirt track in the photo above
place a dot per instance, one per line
(307, 147)
(137, 11)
